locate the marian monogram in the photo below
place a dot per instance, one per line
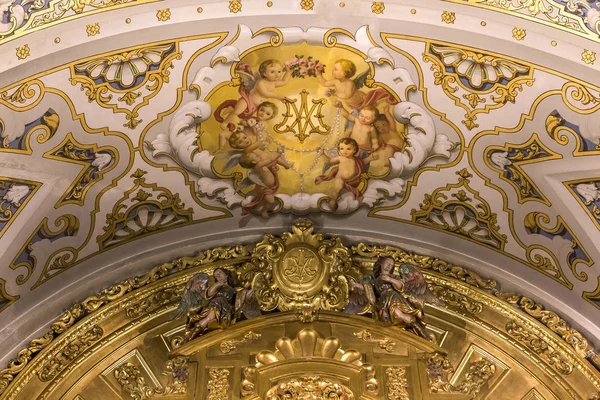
(300, 266)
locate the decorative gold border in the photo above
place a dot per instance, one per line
(551, 329)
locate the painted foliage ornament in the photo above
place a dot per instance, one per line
(302, 125)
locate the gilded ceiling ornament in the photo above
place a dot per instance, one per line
(519, 33)
(575, 16)
(588, 56)
(532, 341)
(23, 52)
(448, 17)
(586, 135)
(454, 299)
(144, 208)
(377, 7)
(235, 6)
(536, 222)
(459, 209)
(5, 301)
(14, 196)
(163, 15)
(95, 160)
(307, 5)
(17, 139)
(487, 82)
(25, 17)
(587, 194)
(509, 159)
(136, 75)
(43, 236)
(92, 29)
(397, 384)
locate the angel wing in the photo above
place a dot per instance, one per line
(330, 153)
(415, 286)
(360, 79)
(362, 297)
(246, 304)
(234, 160)
(247, 77)
(193, 295)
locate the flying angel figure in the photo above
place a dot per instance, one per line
(395, 299)
(254, 90)
(193, 295)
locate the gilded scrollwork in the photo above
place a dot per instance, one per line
(144, 208)
(218, 384)
(575, 16)
(536, 222)
(440, 371)
(228, 346)
(507, 160)
(14, 196)
(59, 361)
(485, 81)
(66, 225)
(136, 75)
(310, 387)
(397, 383)
(383, 343)
(95, 160)
(5, 298)
(134, 386)
(537, 345)
(299, 271)
(465, 213)
(17, 138)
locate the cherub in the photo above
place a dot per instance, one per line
(346, 89)
(262, 168)
(266, 111)
(254, 90)
(390, 140)
(347, 173)
(362, 131)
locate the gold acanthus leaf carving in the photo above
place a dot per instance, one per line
(308, 388)
(133, 384)
(540, 347)
(218, 384)
(384, 343)
(397, 384)
(228, 346)
(440, 371)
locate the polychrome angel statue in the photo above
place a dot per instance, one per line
(217, 305)
(395, 299)
(254, 91)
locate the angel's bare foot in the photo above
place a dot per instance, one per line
(333, 204)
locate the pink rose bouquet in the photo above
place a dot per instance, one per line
(301, 67)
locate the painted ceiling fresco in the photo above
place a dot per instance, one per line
(148, 122)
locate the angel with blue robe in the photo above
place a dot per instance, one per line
(395, 299)
(218, 305)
